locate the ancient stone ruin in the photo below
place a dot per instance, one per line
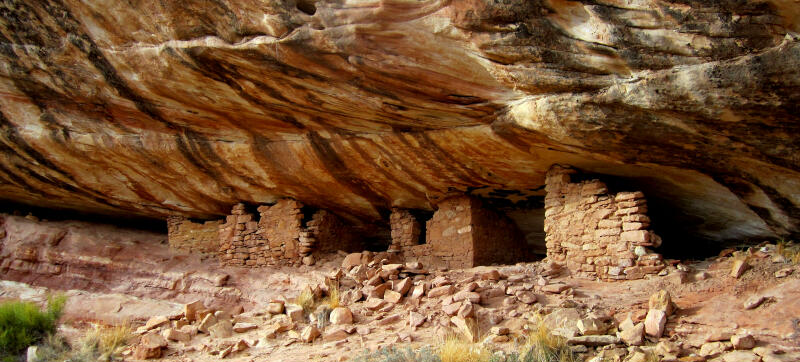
(595, 233)
(193, 237)
(281, 236)
(462, 233)
(420, 163)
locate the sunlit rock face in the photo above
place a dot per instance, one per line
(187, 107)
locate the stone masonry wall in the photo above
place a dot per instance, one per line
(280, 227)
(238, 244)
(188, 236)
(463, 233)
(496, 239)
(449, 232)
(330, 234)
(597, 234)
(279, 236)
(405, 230)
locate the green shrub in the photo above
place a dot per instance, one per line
(23, 324)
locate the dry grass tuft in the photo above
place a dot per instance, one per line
(306, 300)
(543, 346)
(456, 349)
(98, 344)
(789, 251)
(332, 300)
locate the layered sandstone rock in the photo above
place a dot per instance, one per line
(189, 107)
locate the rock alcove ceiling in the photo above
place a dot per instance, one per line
(153, 108)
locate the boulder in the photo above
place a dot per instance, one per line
(351, 296)
(392, 297)
(555, 288)
(451, 309)
(309, 334)
(655, 322)
(351, 260)
(223, 329)
(336, 334)
(662, 301)
(172, 334)
(667, 349)
(150, 346)
(401, 286)
(418, 291)
(374, 304)
(633, 336)
(415, 319)
(466, 310)
(156, 322)
(627, 323)
(275, 307)
(754, 301)
(738, 267)
(394, 318)
(743, 341)
(471, 297)
(376, 291)
(591, 326)
(526, 297)
(341, 315)
(785, 272)
(208, 321)
(492, 275)
(295, 312)
(499, 331)
(562, 318)
(440, 291)
(240, 345)
(190, 310)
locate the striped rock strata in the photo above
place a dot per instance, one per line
(185, 108)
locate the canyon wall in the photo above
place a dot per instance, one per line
(186, 108)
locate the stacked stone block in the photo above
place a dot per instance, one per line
(279, 227)
(461, 234)
(596, 234)
(188, 236)
(330, 233)
(238, 243)
(279, 236)
(405, 230)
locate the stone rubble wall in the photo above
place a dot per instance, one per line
(405, 230)
(279, 236)
(193, 237)
(461, 234)
(597, 234)
(330, 234)
(496, 238)
(449, 232)
(279, 228)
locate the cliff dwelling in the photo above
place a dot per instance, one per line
(398, 181)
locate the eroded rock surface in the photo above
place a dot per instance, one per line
(188, 107)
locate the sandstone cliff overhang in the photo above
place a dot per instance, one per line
(188, 107)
